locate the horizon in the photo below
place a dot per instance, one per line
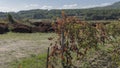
(10, 6)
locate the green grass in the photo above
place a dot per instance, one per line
(34, 61)
(26, 36)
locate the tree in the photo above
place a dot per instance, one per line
(10, 19)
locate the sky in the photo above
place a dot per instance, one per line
(18, 5)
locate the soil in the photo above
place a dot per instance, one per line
(11, 50)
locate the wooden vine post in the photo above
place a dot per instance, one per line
(62, 36)
(47, 62)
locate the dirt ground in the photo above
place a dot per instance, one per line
(14, 49)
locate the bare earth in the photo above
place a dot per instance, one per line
(11, 50)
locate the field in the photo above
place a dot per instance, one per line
(16, 46)
(60, 34)
(28, 50)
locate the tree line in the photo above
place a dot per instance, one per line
(84, 14)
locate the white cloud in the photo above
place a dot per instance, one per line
(105, 4)
(31, 5)
(37, 6)
(99, 5)
(46, 7)
(71, 6)
(3, 8)
(7, 9)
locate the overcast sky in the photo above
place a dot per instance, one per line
(17, 5)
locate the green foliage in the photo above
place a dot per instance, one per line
(10, 19)
(84, 14)
(76, 39)
(87, 14)
(31, 62)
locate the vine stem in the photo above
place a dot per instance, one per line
(47, 58)
(62, 45)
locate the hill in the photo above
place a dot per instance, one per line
(115, 5)
(109, 12)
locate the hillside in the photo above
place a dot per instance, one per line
(109, 12)
(115, 5)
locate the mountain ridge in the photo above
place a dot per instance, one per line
(115, 5)
(95, 12)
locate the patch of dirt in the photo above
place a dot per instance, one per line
(11, 50)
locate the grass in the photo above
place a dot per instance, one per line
(26, 36)
(103, 21)
(36, 40)
(35, 61)
(39, 61)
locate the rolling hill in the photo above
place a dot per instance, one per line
(97, 13)
(115, 5)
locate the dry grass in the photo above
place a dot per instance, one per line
(15, 46)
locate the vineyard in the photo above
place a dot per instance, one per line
(77, 39)
(60, 34)
(74, 44)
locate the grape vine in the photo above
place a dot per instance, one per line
(75, 39)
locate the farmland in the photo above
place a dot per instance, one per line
(60, 35)
(14, 46)
(23, 45)
(29, 51)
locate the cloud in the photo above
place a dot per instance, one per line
(36, 6)
(105, 4)
(46, 7)
(70, 6)
(99, 5)
(7, 9)
(49, 7)
(31, 5)
(3, 8)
